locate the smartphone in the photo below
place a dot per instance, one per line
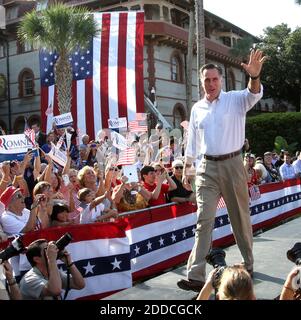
(66, 179)
(130, 171)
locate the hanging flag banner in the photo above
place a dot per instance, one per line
(107, 77)
(63, 120)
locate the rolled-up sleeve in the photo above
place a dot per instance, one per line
(191, 152)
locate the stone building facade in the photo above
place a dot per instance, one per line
(165, 57)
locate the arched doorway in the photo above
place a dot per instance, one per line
(179, 115)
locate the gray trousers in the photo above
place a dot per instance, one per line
(229, 179)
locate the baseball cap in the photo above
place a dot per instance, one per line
(7, 195)
(177, 162)
(268, 153)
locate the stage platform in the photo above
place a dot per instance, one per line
(270, 269)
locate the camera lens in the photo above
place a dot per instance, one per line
(62, 242)
(294, 254)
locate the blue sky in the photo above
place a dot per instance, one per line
(255, 15)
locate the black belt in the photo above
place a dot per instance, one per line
(223, 156)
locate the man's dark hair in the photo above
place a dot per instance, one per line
(34, 250)
(36, 122)
(145, 170)
(210, 66)
(57, 209)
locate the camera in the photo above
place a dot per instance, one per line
(216, 258)
(42, 198)
(12, 163)
(62, 242)
(15, 248)
(294, 255)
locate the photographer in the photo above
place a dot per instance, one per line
(44, 281)
(288, 292)
(12, 290)
(235, 284)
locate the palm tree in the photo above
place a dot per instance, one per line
(61, 29)
(190, 45)
(200, 40)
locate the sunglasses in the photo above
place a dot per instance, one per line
(19, 196)
(114, 169)
(178, 167)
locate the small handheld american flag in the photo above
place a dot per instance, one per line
(30, 135)
(254, 193)
(126, 157)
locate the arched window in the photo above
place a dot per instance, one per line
(176, 67)
(179, 115)
(26, 83)
(19, 125)
(3, 127)
(34, 119)
(3, 84)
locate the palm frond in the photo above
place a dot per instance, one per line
(58, 28)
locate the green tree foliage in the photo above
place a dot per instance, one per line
(263, 129)
(281, 144)
(242, 47)
(282, 71)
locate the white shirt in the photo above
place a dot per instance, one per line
(218, 127)
(13, 224)
(89, 216)
(297, 166)
(287, 171)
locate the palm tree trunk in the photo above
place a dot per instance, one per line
(200, 39)
(189, 60)
(63, 77)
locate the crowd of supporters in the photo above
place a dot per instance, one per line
(93, 186)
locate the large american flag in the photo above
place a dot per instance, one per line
(107, 76)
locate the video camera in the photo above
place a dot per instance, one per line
(62, 242)
(15, 248)
(216, 258)
(294, 255)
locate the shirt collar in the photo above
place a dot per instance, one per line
(217, 99)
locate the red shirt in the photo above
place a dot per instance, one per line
(162, 195)
(254, 177)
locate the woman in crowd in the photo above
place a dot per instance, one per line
(130, 196)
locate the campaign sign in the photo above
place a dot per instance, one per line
(58, 156)
(115, 123)
(14, 147)
(63, 120)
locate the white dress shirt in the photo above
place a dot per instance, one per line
(218, 127)
(297, 166)
(287, 171)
